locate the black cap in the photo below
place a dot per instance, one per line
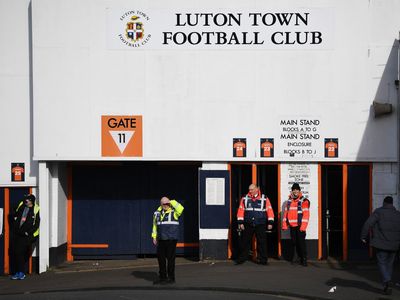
(296, 186)
(30, 197)
(388, 200)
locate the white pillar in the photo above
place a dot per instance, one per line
(44, 217)
(53, 205)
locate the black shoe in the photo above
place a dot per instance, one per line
(160, 281)
(170, 281)
(262, 262)
(304, 263)
(239, 262)
(387, 290)
(295, 262)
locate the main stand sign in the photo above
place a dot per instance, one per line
(300, 138)
(121, 136)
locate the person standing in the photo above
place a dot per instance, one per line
(254, 216)
(25, 229)
(165, 235)
(295, 217)
(385, 225)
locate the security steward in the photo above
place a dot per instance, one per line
(255, 215)
(165, 235)
(295, 217)
(25, 222)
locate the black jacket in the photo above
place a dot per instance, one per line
(29, 226)
(385, 224)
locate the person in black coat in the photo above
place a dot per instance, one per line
(25, 221)
(385, 225)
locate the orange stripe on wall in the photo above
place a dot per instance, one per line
(87, 246)
(278, 223)
(187, 245)
(254, 173)
(69, 214)
(345, 223)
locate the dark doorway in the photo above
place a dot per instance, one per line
(358, 202)
(241, 178)
(267, 179)
(113, 203)
(332, 211)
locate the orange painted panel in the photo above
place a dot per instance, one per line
(121, 136)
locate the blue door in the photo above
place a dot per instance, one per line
(113, 204)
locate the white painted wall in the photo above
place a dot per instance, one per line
(384, 183)
(58, 204)
(195, 101)
(15, 101)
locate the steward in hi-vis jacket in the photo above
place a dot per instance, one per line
(296, 216)
(255, 215)
(165, 235)
(25, 221)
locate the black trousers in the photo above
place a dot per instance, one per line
(20, 251)
(247, 236)
(298, 242)
(166, 252)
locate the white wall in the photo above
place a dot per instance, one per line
(385, 183)
(58, 204)
(194, 101)
(15, 105)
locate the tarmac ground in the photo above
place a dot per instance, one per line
(114, 279)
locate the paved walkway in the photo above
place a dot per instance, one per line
(279, 278)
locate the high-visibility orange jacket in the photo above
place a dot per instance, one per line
(255, 210)
(296, 213)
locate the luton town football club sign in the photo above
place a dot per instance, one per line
(179, 28)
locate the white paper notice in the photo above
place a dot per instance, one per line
(1, 221)
(215, 191)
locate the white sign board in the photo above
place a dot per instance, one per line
(136, 28)
(306, 175)
(215, 191)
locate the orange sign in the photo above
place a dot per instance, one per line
(121, 136)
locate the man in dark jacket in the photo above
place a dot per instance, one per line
(385, 224)
(25, 231)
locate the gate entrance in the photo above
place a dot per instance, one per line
(345, 206)
(113, 205)
(266, 177)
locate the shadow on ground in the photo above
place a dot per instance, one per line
(353, 284)
(149, 276)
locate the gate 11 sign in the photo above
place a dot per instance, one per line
(121, 136)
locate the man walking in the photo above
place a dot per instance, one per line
(385, 224)
(25, 231)
(165, 235)
(296, 216)
(255, 215)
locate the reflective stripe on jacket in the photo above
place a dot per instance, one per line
(255, 210)
(296, 213)
(166, 223)
(36, 220)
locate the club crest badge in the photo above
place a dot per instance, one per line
(134, 23)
